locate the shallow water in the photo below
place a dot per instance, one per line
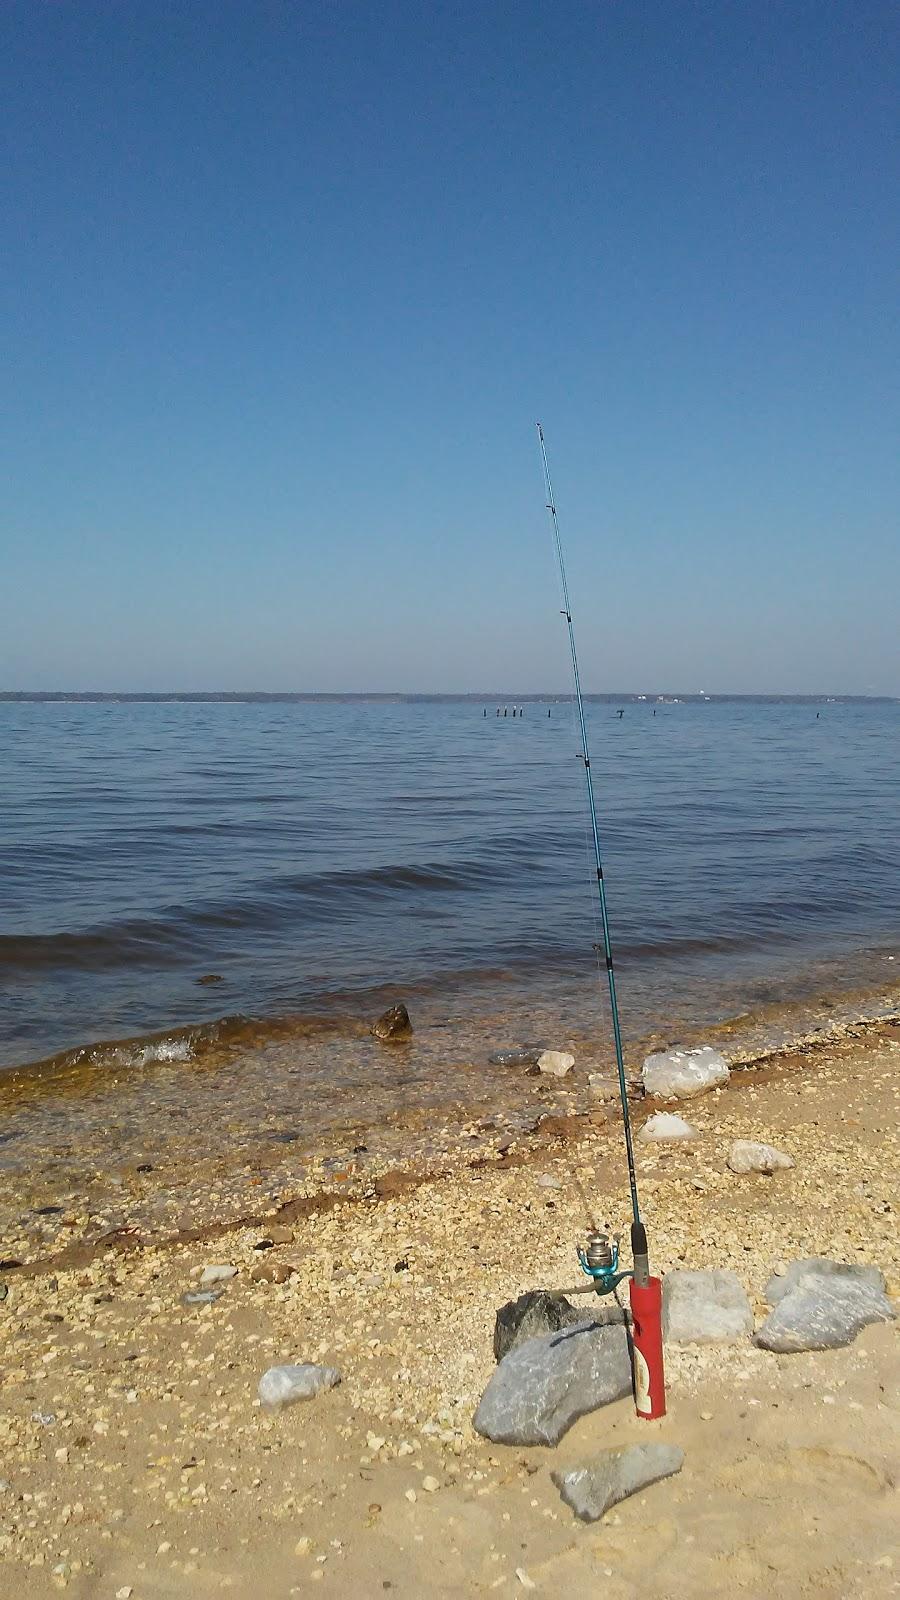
(329, 857)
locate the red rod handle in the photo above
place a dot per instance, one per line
(647, 1353)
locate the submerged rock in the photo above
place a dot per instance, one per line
(705, 1308)
(393, 1024)
(666, 1125)
(525, 1055)
(282, 1386)
(535, 1313)
(546, 1384)
(680, 1074)
(614, 1475)
(822, 1305)
(555, 1063)
(746, 1155)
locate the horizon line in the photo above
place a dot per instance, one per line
(481, 695)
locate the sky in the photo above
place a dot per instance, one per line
(285, 287)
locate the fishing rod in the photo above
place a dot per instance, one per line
(600, 1258)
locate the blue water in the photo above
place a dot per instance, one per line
(327, 856)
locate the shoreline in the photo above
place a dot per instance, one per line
(157, 1465)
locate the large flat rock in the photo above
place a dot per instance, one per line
(614, 1475)
(546, 1384)
(822, 1305)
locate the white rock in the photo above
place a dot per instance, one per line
(282, 1386)
(680, 1074)
(217, 1274)
(555, 1062)
(666, 1125)
(705, 1307)
(747, 1156)
(545, 1181)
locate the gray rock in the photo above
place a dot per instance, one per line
(533, 1314)
(525, 1055)
(614, 1475)
(822, 1305)
(705, 1308)
(393, 1024)
(546, 1384)
(746, 1155)
(4, 1291)
(664, 1126)
(781, 1283)
(201, 1297)
(680, 1074)
(283, 1386)
(555, 1063)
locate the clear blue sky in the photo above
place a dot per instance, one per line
(285, 287)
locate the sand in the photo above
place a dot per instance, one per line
(136, 1460)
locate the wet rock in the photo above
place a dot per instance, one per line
(680, 1074)
(216, 1274)
(283, 1386)
(525, 1055)
(614, 1475)
(822, 1305)
(746, 1155)
(705, 1308)
(555, 1063)
(393, 1024)
(535, 1313)
(209, 977)
(664, 1126)
(542, 1387)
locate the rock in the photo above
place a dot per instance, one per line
(282, 1386)
(209, 977)
(555, 1063)
(272, 1272)
(393, 1024)
(705, 1308)
(614, 1475)
(547, 1181)
(217, 1274)
(603, 1086)
(746, 1155)
(680, 1074)
(664, 1125)
(781, 1283)
(525, 1055)
(4, 1291)
(201, 1297)
(535, 1313)
(542, 1387)
(821, 1305)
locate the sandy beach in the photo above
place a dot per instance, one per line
(137, 1460)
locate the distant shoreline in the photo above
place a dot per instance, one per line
(489, 697)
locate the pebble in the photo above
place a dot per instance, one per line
(430, 1484)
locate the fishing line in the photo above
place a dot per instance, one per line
(584, 756)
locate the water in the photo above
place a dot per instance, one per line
(323, 858)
